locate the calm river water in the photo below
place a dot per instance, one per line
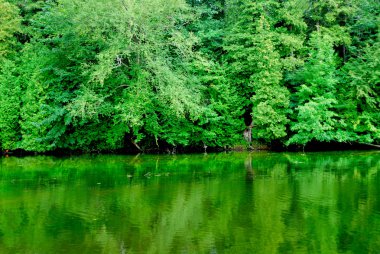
(216, 203)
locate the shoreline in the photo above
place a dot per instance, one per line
(321, 147)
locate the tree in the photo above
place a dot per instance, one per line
(119, 74)
(9, 87)
(315, 115)
(256, 68)
(9, 25)
(360, 95)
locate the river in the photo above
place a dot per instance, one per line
(258, 202)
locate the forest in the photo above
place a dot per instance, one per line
(156, 75)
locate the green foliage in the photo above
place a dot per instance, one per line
(9, 86)
(152, 74)
(128, 69)
(316, 94)
(9, 25)
(361, 94)
(255, 66)
(9, 106)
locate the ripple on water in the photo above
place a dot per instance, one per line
(326, 204)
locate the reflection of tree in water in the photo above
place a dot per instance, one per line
(224, 203)
(293, 216)
(250, 174)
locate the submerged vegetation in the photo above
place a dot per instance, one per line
(98, 75)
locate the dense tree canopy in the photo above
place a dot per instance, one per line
(100, 75)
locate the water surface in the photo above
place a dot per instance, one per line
(215, 203)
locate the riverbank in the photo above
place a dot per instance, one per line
(255, 146)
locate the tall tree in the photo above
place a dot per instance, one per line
(315, 116)
(360, 93)
(10, 24)
(255, 68)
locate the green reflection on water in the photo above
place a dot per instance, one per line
(216, 203)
